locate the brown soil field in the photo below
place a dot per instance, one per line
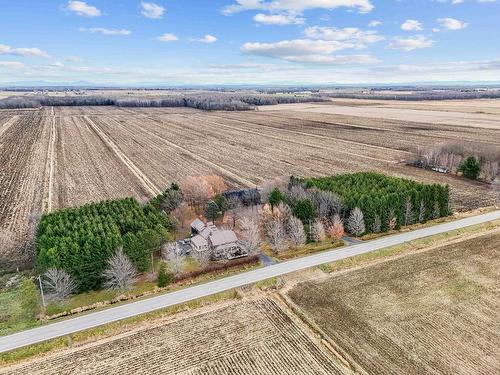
(431, 312)
(64, 156)
(485, 116)
(246, 337)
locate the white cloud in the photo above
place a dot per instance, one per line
(168, 37)
(452, 23)
(14, 65)
(411, 25)
(306, 50)
(152, 10)
(83, 9)
(278, 19)
(296, 6)
(411, 43)
(374, 24)
(56, 64)
(73, 59)
(35, 52)
(357, 37)
(104, 31)
(206, 39)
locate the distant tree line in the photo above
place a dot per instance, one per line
(82, 240)
(420, 95)
(453, 154)
(206, 101)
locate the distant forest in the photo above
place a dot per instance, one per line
(208, 101)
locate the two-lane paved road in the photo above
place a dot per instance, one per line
(98, 318)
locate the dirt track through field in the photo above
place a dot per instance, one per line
(49, 175)
(152, 188)
(5, 126)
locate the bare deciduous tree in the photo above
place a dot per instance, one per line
(336, 230)
(377, 224)
(408, 212)
(356, 222)
(202, 257)
(326, 203)
(59, 285)
(121, 273)
(296, 232)
(421, 212)
(176, 261)
(250, 234)
(391, 219)
(275, 232)
(296, 193)
(318, 231)
(196, 190)
(283, 212)
(216, 183)
(269, 185)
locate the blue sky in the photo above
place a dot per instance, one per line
(250, 41)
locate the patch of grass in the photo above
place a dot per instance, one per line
(96, 296)
(13, 316)
(190, 264)
(460, 288)
(267, 283)
(111, 328)
(406, 247)
(310, 248)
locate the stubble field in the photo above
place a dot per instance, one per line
(56, 157)
(434, 312)
(252, 337)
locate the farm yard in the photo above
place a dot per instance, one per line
(218, 341)
(432, 312)
(57, 157)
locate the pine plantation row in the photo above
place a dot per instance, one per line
(386, 202)
(81, 240)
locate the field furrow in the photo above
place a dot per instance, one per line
(256, 337)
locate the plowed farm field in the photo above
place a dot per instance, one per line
(58, 157)
(251, 337)
(433, 312)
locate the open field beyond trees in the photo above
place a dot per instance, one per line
(57, 157)
(431, 312)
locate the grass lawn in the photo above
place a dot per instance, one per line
(307, 249)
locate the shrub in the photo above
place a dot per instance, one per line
(164, 277)
(276, 197)
(470, 168)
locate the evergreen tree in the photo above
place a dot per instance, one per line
(164, 277)
(304, 210)
(275, 197)
(470, 168)
(212, 211)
